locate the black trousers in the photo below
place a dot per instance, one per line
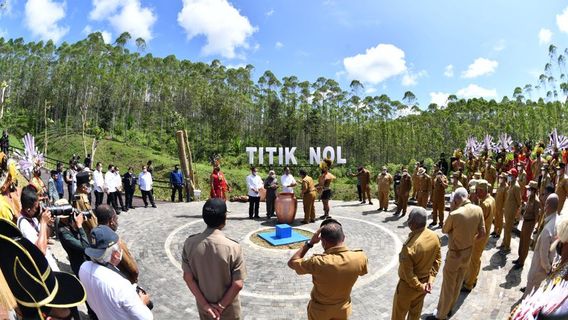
(119, 200)
(177, 188)
(99, 198)
(70, 192)
(146, 195)
(254, 202)
(129, 194)
(270, 199)
(360, 193)
(111, 200)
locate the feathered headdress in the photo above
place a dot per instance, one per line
(557, 142)
(325, 164)
(504, 143)
(471, 145)
(487, 144)
(8, 172)
(31, 159)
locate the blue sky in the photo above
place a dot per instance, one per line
(432, 48)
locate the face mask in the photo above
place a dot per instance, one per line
(509, 179)
(144, 170)
(529, 193)
(254, 173)
(120, 258)
(89, 190)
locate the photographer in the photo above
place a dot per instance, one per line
(81, 201)
(74, 239)
(35, 225)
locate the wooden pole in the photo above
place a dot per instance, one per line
(191, 186)
(182, 154)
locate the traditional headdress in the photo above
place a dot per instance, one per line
(471, 145)
(487, 144)
(31, 159)
(325, 164)
(8, 172)
(458, 153)
(557, 142)
(504, 143)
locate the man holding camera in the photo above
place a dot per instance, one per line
(81, 201)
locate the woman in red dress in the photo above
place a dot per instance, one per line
(219, 186)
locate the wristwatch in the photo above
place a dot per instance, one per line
(308, 244)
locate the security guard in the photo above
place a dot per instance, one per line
(530, 217)
(333, 273)
(364, 177)
(439, 186)
(309, 195)
(420, 260)
(500, 196)
(213, 266)
(81, 201)
(403, 192)
(384, 181)
(424, 188)
(415, 180)
(511, 208)
(487, 204)
(463, 226)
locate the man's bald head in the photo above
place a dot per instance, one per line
(551, 204)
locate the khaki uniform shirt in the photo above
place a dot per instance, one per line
(500, 196)
(512, 200)
(532, 209)
(561, 191)
(405, 184)
(490, 175)
(384, 181)
(439, 187)
(420, 258)
(215, 262)
(364, 177)
(82, 204)
(308, 185)
(333, 274)
(425, 183)
(462, 225)
(488, 206)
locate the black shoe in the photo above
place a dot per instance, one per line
(154, 206)
(370, 203)
(250, 217)
(432, 224)
(523, 289)
(493, 234)
(518, 267)
(312, 220)
(441, 225)
(304, 222)
(256, 217)
(466, 290)
(516, 261)
(402, 215)
(431, 317)
(396, 213)
(363, 202)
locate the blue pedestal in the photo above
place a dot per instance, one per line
(274, 240)
(283, 231)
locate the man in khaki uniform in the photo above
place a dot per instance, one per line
(464, 225)
(522, 180)
(500, 196)
(403, 192)
(82, 204)
(545, 181)
(561, 186)
(530, 217)
(424, 187)
(487, 204)
(333, 273)
(439, 186)
(309, 194)
(513, 202)
(456, 183)
(213, 266)
(471, 165)
(384, 181)
(420, 260)
(415, 180)
(490, 174)
(364, 177)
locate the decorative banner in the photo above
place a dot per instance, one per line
(286, 155)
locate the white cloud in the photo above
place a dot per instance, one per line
(449, 71)
(562, 21)
(270, 12)
(479, 67)
(474, 91)
(544, 36)
(439, 98)
(236, 66)
(107, 36)
(279, 45)
(370, 90)
(42, 18)
(3, 33)
(411, 79)
(224, 27)
(125, 16)
(376, 64)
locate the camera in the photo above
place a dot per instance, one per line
(63, 210)
(139, 290)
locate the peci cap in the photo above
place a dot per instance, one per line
(102, 237)
(513, 172)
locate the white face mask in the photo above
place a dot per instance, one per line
(529, 193)
(510, 179)
(120, 258)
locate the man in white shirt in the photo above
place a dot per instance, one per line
(37, 231)
(99, 184)
(287, 181)
(109, 294)
(145, 182)
(110, 188)
(254, 184)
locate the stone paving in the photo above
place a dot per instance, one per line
(273, 291)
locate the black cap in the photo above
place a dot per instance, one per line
(215, 205)
(83, 177)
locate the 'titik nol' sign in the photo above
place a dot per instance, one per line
(285, 155)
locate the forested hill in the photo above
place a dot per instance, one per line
(109, 91)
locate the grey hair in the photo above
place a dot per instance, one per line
(461, 194)
(418, 217)
(107, 256)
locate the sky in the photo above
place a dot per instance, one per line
(434, 48)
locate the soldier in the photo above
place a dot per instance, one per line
(333, 273)
(463, 226)
(487, 204)
(522, 180)
(424, 188)
(500, 196)
(462, 178)
(384, 181)
(363, 182)
(561, 186)
(213, 266)
(420, 260)
(530, 217)
(81, 202)
(456, 183)
(403, 192)
(511, 208)
(543, 181)
(308, 196)
(439, 186)
(415, 180)
(490, 174)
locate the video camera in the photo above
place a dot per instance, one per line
(63, 210)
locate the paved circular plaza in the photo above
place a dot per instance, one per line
(273, 291)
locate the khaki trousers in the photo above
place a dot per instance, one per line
(402, 202)
(475, 263)
(422, 198)
(498, 221)
(317, 311)
(524, 243)
(366, 192)
(309, 205)
(384, 198)
(407, 302)
(509, 221)
(438, 207)
(455, 268)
